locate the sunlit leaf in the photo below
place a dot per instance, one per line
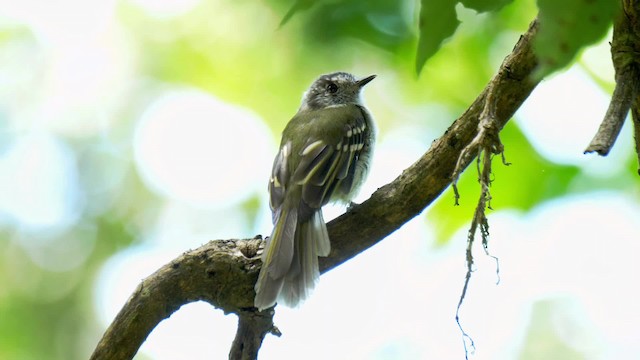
(485, 5)
(437, 22)
(568, 26)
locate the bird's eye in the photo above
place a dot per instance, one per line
(332, 88)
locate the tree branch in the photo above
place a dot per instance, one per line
(252, 328)
(420, 184)
(635, 115)
(223, 272)
(619, 106)
(625, 46)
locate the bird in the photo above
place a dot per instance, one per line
(324, 156)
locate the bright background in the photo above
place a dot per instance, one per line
(134, 130)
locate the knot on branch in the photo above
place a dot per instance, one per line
(625, 55)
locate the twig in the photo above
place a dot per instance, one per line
(635, 115)
(623, 95)
(625, 45)
(252, 328)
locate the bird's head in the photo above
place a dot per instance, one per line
(339, 88)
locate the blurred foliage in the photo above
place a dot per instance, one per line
(485, 5)
(299, 5)
(437, 22)
(385, 24)
(237, 51)
(566, 27)
(543, 340)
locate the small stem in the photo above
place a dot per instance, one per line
(635, 115)
(624, 55)
(252, 328)
(625, 91)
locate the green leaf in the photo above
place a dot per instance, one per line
(567, 26)
(437, 22)
(299, 5)
(382, 23)
(485, 5)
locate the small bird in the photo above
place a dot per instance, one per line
(324, 156)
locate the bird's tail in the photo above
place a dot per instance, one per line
(290, 260)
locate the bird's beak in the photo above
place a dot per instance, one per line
(365, 81)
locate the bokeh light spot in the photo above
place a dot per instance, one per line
(192, 147)
(39, 183)
(163, 9)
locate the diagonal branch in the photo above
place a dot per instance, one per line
(223, 272)
(420, 184)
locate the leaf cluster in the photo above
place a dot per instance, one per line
(566, 27)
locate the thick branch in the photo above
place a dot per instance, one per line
(223, 272)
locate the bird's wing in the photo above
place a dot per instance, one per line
(279, 180)
(329, 157)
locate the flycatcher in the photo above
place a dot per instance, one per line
(324, 156)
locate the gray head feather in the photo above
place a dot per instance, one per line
(339, 88)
